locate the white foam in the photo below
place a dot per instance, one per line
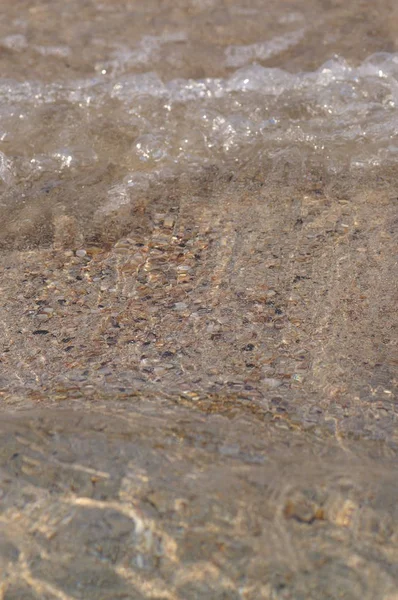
(345, 115)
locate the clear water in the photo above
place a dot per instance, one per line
(198, 254)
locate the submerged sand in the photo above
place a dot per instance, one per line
(198, 386)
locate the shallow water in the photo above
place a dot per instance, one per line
(198, 251)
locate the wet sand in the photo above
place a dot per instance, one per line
(198, 389)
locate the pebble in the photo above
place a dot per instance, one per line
(271, 382)
(279, 323)
(180, 306)
(42, 317)
(168, 222)
(81, 253)
(122, 250)
(298, 377)
(183, 268)
(123, 247)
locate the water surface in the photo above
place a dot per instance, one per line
(198, 252)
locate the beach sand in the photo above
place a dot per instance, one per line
(198, 387)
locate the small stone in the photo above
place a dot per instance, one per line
(279, 323)
(168, 366)
(94, 251)
(42, 317)
(248, 347)
(303, 510)
(158, 218)
(81, 253)
(168, 222)
(122, 250)
(159, 371)
(272, 383)
(180, 306)
(123, 246)
(298, 377)
(183, 268)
